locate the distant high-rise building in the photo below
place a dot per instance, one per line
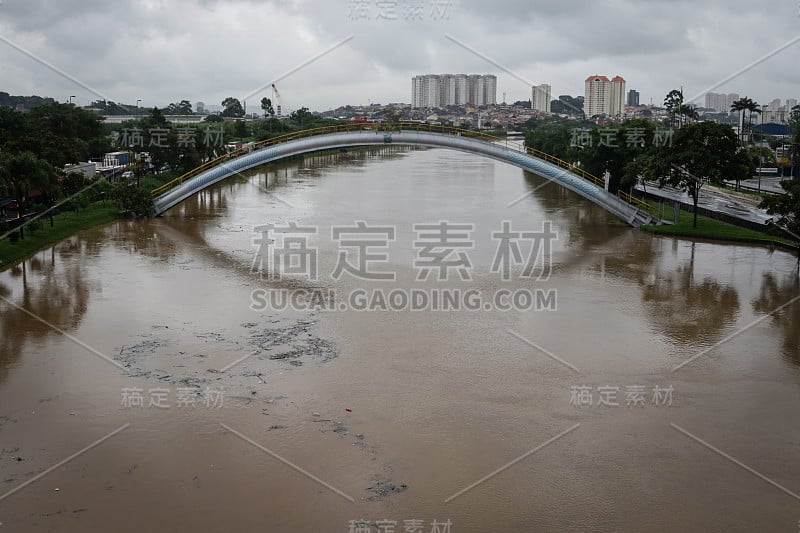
(489, 82)
(439, 90)
(617, 96)
(790, 103)
(460, 87)
(720, 102)
(597, 96)
(540, 98)
(447, 90)
(425, 91)
(633, 98)
(200, 107)
(711, 102)
(604, 96)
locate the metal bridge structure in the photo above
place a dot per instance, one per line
(626, 207)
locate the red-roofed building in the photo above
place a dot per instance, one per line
(604, 96)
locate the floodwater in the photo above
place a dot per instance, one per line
(579, 415)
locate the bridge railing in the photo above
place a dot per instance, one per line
(633, 200)
(387, 127)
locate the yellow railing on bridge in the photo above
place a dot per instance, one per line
(633, 200)
(360, 126)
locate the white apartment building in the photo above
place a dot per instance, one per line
(604, 97)
(540, 98)
(720, 102)
(440, 90)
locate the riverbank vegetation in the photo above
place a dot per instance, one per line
(712, 229)
(42, 203)
(681, 152)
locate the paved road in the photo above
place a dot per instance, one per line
(712, 200)
(771, 184)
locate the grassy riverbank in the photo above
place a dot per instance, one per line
(65, 224)
(68, 223)
(709, 228)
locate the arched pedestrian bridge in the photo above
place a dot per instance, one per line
(573, 178)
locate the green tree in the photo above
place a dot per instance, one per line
(22, 173)
(240, 129)
(700, 153)
(752, 107)
(690, 112)
(266, 106)
(794, 123)
(673, 103)
(184, 107)
(567, 105)
(746, 107)
(786, 206)
(302, 117)
(73, 182)
(132, 200)
(615, 150)
(738, 106)
(232, 107)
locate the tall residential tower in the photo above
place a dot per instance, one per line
(441, 90)
(540, 98)
(604, 96)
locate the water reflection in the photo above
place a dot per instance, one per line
(773, 294)
(687, 309)
(50, 287)
(678, 304)
(575, 213)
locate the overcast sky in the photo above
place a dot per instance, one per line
(162, 51)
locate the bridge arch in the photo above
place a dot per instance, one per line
(561, 172)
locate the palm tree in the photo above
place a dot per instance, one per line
(690, 112)
(739, 106)
(15, 180)
(752, 107)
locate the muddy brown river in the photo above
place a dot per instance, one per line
(152, 379)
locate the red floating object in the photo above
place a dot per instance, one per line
(348, 409)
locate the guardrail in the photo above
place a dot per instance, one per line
(400, 126)
(633, 200)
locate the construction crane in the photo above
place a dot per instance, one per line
(276, 96)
